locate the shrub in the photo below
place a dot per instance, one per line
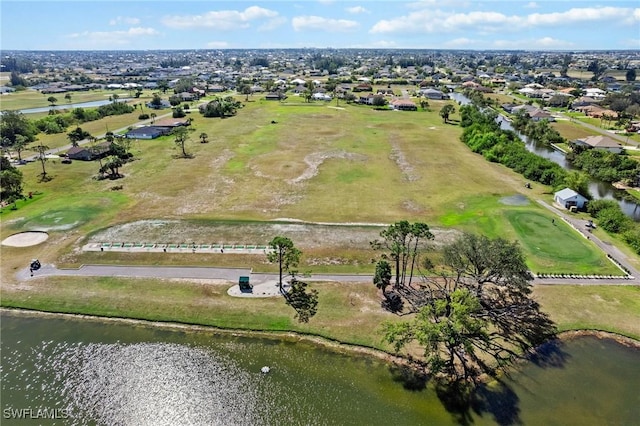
(143, 116)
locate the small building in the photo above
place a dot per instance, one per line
(147, 132)
(568, 198)
(87, 153)
(600, 142)
(433, 94)
(275, 96)
(403, 105)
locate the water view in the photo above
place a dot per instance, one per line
(94, 372)
(90, 104)
(598, 189)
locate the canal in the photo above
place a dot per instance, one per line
(598, 189)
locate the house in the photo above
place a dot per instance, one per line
(430, 93)
(275, 96)
(539, 115)
(321, 96)
(568, 198)
(86, 153)
(600, 142)
(171, 122)
(403, 105)
(147, 132)
(163, 104)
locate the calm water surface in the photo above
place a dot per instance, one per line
(121, 374)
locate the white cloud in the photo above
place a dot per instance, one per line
(432, 21)
(222, 19)
(302, 23)
(580, 15)
(460, 43)
(110, 38)
(217, 45)
(544, 43)
(631, 43)
(357, 10)
(272, 24)
(124, 20)
(531, 5)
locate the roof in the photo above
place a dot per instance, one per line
(146, 130)
(170, 122)
(600, 142)
(567, 193)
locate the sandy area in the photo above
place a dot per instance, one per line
(25, 239)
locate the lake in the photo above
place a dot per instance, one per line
(114, 373)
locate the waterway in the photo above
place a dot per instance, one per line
(597, 188)
(91, 104)
(95, 372)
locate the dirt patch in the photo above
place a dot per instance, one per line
(317, 158)
(25, 239)
(413, 206)
(407, 169)
(305, 235)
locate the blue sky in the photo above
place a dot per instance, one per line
(426, 24)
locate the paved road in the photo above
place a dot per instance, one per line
(232, 274)
(194, 272)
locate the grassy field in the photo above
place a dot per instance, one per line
(571, 130)
(348, 313)
(313, 162)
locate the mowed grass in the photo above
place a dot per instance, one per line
(349, 313)
(549, 244)
(312, 162)
(316, 163)
(608, 308)
(571, 130)
(555, 246)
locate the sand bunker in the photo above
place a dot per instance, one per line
(25, 239)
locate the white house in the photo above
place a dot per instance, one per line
(568, 198)
(321, 97)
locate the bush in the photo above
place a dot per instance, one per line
(595, 206)
(632, 237)
(143, 116)
(613, 219)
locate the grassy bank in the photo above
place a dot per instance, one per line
(349, 313)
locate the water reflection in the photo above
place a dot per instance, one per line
(116, 374)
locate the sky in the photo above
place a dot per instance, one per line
(391, 24)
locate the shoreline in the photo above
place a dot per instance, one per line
(325, 342)
(292, 336)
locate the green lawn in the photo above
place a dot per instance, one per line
(549, 244)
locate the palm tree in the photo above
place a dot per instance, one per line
(153, 117)
(203, 137)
